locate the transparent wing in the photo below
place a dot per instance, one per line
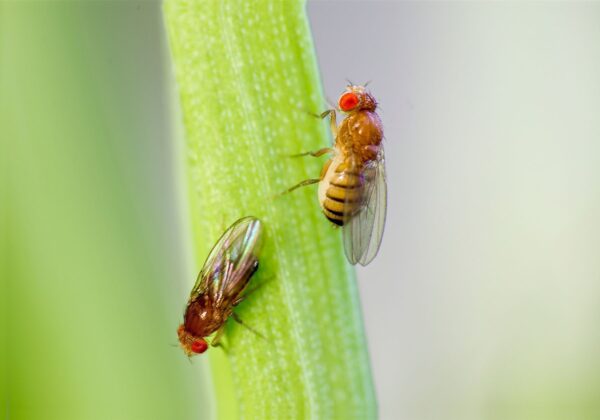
(363, 226)
(230, 263)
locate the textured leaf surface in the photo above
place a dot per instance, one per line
(247, 81)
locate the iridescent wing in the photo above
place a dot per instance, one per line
(363, 226)
(230, 263)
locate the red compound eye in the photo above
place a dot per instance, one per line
(348, 101)
(199, 346)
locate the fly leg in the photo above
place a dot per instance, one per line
(237, 319)
(216, 341)
(309, 181)
(332, 121)
(249, 291)
(301, 184)
(334, 132)
(316, 153)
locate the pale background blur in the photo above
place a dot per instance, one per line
(484, 301)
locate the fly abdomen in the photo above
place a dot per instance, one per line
(334, 217)
(342, 194)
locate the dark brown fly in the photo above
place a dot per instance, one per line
(220, 285)
(352, 185)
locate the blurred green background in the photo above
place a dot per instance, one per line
(97, 266)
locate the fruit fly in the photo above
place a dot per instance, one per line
(352, 185)
(220, 285)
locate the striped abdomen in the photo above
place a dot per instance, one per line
(339, 190)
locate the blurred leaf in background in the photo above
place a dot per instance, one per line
(93, 272)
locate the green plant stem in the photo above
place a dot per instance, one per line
(248, 81)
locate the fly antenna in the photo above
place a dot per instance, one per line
(350, 84)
